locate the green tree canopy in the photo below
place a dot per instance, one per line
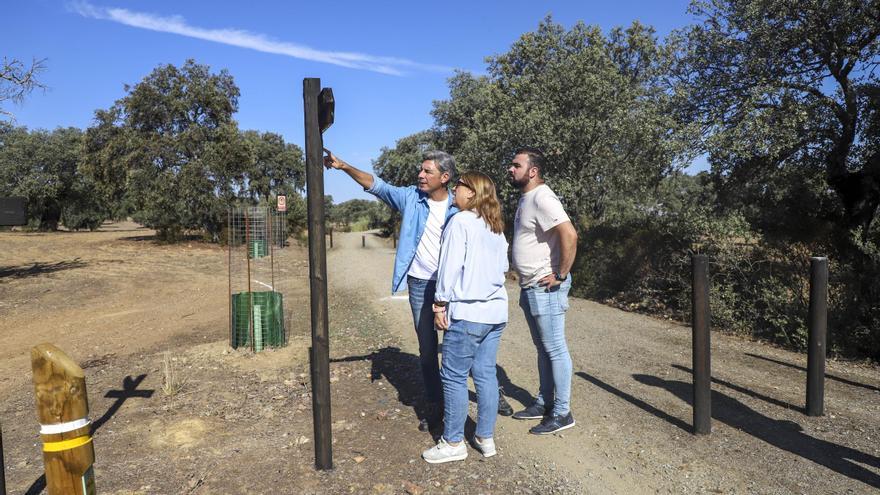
(787, 95)
(274, 168)
(171, 155)
(169, 150)
(597, 105)
(400, 165)
(42, 167)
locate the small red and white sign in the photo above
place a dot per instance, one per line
(282, 203)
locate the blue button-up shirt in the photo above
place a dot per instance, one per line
(413, 206)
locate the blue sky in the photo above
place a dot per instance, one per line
(386, 61)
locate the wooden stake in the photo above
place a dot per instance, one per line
(63, 410)
(247, 242)
(229, 260)
(269, 219)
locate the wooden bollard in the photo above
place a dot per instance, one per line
(702, 375)
(65, 429)
(818, 328)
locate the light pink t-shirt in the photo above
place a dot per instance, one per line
(535, 249)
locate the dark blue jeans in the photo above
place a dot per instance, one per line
(421, 297)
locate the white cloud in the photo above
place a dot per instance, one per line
(254, 41)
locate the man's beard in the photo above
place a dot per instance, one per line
(519, 184)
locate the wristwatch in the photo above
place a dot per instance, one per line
(439, 306)
(559, 277)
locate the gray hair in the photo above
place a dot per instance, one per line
(443, 161)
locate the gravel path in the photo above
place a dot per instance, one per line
(631, 399)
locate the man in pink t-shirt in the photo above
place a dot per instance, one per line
(544, 247)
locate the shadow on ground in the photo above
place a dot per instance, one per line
(401, 370)
(828, 376)
(782, 434)
(39, 268)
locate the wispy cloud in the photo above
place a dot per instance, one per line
(254, 41)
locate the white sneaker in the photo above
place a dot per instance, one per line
(486, 446)
(443, 452)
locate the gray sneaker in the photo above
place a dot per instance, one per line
(443, 452)
(485, 446)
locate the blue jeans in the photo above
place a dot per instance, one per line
(545, 314)
(421, 297)
(470, 347)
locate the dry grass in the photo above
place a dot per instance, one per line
(172, 384)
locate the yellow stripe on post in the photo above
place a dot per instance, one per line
(66, 444)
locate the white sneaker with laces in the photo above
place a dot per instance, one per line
(486, 446)
(443, 452)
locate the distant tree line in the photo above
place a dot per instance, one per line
(783, 100)
(169, 154)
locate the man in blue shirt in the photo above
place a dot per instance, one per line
(425, 209)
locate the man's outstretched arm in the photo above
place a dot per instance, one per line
(365, 179)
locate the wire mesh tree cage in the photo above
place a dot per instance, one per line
(257, 234)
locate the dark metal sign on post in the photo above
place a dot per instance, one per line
(13, 211)
(326, 109)
(318, 117)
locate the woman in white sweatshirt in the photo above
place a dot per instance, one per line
(470, 305)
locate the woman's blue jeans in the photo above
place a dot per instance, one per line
(470, 348)
(421, 297)
(545, 314)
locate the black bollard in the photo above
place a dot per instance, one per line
(331, 237)
(2, 468)
(818, 327)
(395, 241)
(363, 241)
(702, 375)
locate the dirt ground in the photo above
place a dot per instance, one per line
(120, 305)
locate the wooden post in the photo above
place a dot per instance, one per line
(269, 220)
(818, 328)
(229, 241)
(65, 429)
(702, 377)
(320, 353)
